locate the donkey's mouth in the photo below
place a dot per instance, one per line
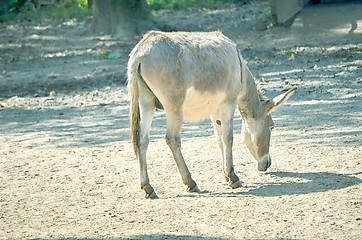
(264, 163)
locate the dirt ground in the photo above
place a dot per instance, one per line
(67, 169)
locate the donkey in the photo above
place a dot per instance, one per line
(193, 76)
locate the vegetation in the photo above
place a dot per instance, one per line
(187, 4)
(36, 10)
(67, 9)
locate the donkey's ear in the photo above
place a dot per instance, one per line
(278, 100)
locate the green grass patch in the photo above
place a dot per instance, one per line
(73, 9)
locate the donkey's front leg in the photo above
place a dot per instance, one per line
(227, 114)
(218, 132)
(173, 140)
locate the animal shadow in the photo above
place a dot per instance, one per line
(304, 183)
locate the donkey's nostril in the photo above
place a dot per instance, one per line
(269, 162)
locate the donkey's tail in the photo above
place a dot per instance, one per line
(133, 91)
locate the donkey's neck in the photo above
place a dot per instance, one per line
(248, 100)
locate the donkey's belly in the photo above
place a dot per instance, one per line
(200, 106)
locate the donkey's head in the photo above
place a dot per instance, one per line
(257, 126)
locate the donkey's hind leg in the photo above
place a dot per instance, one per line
(173, 139)
(147, 110)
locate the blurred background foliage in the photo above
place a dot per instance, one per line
(187, 4)
(80, 9)
(40, 9)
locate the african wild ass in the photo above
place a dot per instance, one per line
(194, 76)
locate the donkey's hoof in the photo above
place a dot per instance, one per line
(227, 178)
(151, 195)
(194, 189)
(236, 184)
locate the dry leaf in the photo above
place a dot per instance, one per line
(292, 56)
(32, 83)
(264, 80)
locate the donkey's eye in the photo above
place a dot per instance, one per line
(271, 128)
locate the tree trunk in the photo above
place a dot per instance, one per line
(124, 18)
(90, 3)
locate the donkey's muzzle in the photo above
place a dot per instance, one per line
(265, 163)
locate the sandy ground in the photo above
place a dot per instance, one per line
(66, 165)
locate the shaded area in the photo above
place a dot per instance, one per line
(328, 122)
(60, 56)
(311, 21)
(305, 183)
(68, 126)
(290, 183)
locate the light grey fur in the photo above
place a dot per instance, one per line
(194, 76)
